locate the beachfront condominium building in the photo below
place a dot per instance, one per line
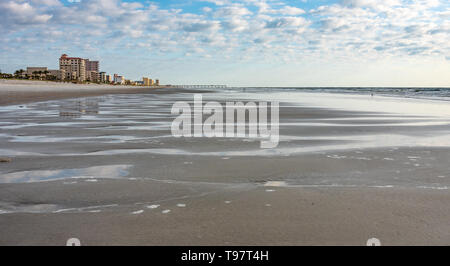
(42, 72)
(74, 68)
(102, 77)
(57, 74)
(146, 81)
(92, 65)
(119, 79)
(92, 76)
(35, 70)
(150, 82)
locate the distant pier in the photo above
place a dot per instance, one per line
(200, 86)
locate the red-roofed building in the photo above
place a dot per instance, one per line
(74, 68)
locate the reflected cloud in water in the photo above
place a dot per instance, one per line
(106, 171)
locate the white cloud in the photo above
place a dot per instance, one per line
(241, 30)
(233, 10)
(217, 2)
(47, 2)
(379, 5)
(286, 22)
(207, 9)
(21, 13)
(291, 11)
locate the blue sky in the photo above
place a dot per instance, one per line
(245, 42)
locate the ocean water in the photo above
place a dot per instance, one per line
(424, 93)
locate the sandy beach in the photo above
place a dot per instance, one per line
(25, 91)
(105, 169)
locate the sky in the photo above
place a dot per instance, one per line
(296, 43)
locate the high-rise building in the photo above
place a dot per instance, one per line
(102, 77)
(146, 81)
(157, 82)
(74, 68)
(92, 65)
(92, 76)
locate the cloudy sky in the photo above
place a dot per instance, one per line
(244, 42)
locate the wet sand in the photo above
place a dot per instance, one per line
(241, 216)
(106, 170)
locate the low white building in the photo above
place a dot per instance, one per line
(119, 79)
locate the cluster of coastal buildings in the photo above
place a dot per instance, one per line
(76, 69)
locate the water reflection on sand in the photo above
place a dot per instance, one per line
(139, 124)
(90, 173)
(79, 107)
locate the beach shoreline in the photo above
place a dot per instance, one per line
(27, 91)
